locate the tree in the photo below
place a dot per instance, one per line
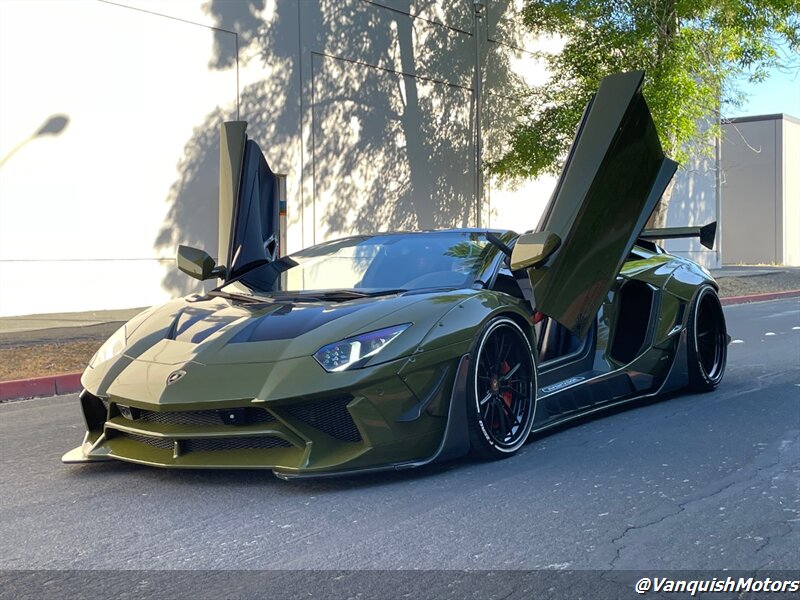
(694, 53)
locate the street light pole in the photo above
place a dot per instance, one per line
(478, 5)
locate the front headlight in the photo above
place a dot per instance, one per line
(112, 346)
(353, 352)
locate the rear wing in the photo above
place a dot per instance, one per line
(707, 233)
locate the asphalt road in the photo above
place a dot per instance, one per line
(707, 481)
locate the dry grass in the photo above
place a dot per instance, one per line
(759, 284)
(23, 362)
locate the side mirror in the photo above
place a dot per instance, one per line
(532, 249)
(198, 264)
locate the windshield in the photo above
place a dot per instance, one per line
(398, 262)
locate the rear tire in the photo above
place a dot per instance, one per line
(501, 390)
(707, 341)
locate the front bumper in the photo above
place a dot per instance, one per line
(359, 429)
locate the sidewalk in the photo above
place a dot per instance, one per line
(31, 327)
(751, 270)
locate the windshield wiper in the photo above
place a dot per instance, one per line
(295, 298)
(315, 296)
(432, 289)
(352, 294)
(334, 295)
(240, 297)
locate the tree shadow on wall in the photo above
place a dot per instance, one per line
(384, 104)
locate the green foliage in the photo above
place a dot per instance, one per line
(693, 52)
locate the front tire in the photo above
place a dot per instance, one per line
(502, 390)
(707, 340)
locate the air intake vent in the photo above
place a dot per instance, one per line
(237, 443)
(211, 444)
(329, 416)
(205, 417)
(163, 443)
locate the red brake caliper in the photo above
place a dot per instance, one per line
(504, 368)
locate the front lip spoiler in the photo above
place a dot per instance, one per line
(78, 456)
(455, 440)
(288, 476)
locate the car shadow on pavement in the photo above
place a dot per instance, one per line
(261, 477)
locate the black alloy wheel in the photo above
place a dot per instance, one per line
(503, 385)
(708, 341)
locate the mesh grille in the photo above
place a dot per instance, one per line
(163, 443)
(245, 443)
(212, 444)
(329, 416)
(201, 417)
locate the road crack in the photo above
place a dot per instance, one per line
(742, 479)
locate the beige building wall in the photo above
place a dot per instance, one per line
(508, 54)
(108, 131)
(97, 102)
(760, 193)
(791, 191)
(695, 202)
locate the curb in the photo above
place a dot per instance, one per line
(50, 385)
(759, 297)
(69, 383)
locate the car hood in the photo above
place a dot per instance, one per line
(217, 331)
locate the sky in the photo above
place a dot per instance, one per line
(780, 93)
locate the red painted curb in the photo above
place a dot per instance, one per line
(68, 384)
(759, 297)
(49, 385)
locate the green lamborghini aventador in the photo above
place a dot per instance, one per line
(393, 350)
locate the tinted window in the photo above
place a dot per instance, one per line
(389, 261)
